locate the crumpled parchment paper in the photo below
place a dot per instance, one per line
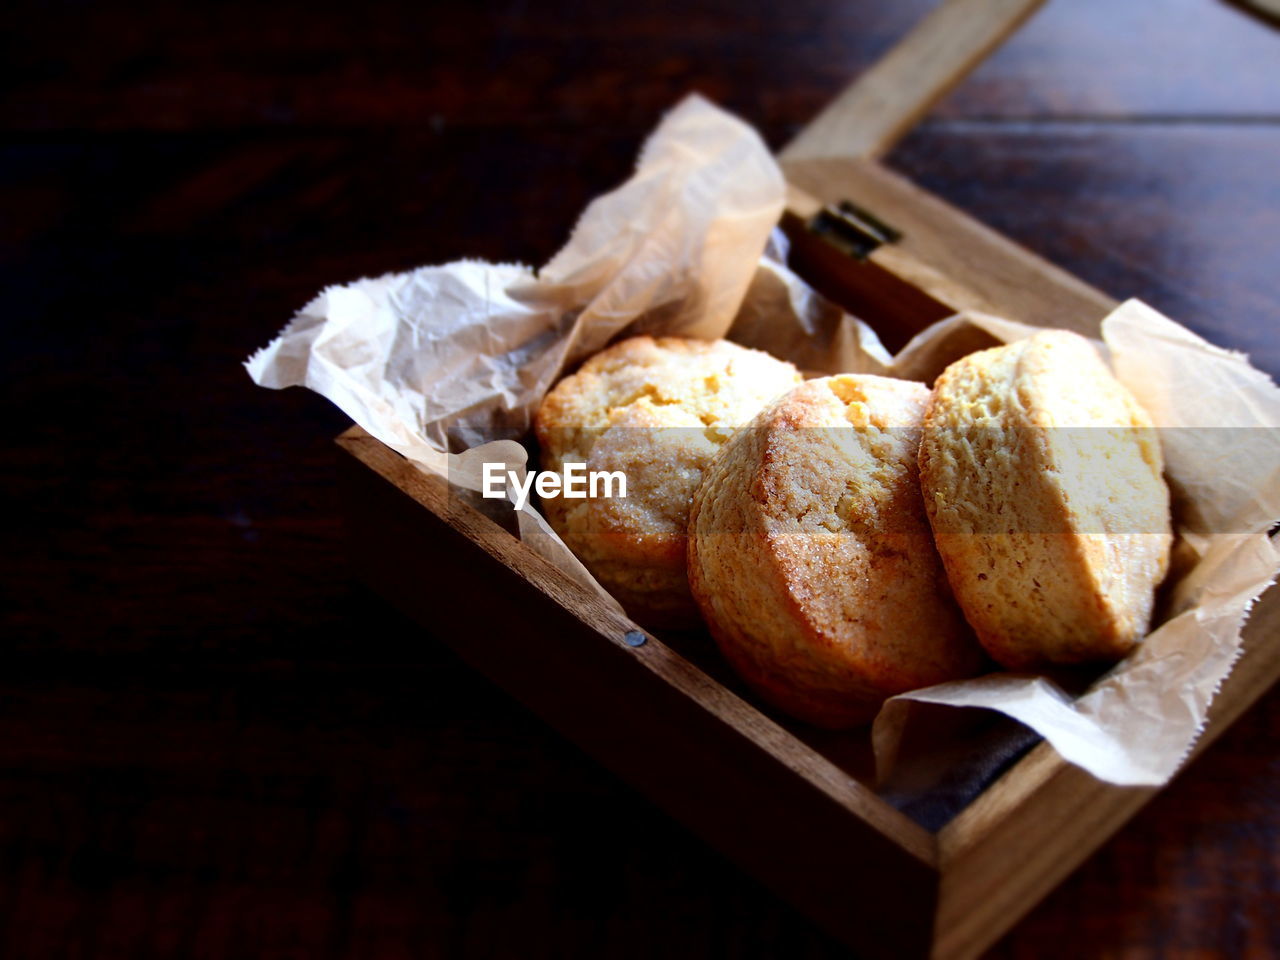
(447, 364)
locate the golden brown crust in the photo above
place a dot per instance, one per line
(811, 558)
(657, 410)
(1042, 478)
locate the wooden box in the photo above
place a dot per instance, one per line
(794, 807)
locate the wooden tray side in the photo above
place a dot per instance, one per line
(944, 253)
(755, 792)
(1045, 817)
(717, 764)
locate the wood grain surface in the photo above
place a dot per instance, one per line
(212, 742)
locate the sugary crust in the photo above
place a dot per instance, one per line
(811, 558)
(1042, 478)
(657, 410)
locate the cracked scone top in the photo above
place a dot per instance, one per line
(657, 410)
(1042, 477)
(811, 557)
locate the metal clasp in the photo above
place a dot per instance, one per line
(851, 230)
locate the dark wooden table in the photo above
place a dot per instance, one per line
(212, 741)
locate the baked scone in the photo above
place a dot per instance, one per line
(657, 410)
(1042, 477)
(811, 558)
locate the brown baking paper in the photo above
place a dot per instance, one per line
(447, 365)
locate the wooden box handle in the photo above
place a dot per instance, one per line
(886, 101)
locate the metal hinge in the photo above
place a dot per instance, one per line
(851, 230)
